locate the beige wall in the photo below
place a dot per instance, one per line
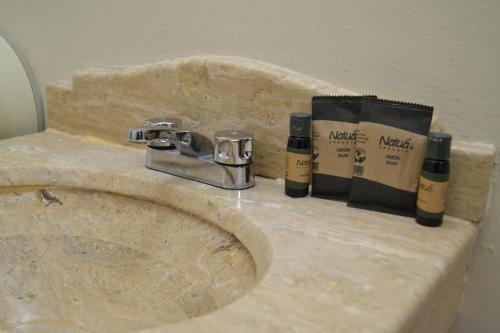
(445, 53)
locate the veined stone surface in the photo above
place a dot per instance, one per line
(208, 93)
(319, 266)
(76, 260)
(212, 93)
(471, 172)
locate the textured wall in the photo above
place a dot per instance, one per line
(442, 53)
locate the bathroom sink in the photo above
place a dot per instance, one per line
(92, 241)
(80, 260)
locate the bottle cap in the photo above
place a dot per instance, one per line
(438, 146)
(300, 124)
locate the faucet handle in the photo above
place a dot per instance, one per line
(233, 147)
(153, 130)
(166, 122)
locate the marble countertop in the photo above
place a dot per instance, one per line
(321, 266)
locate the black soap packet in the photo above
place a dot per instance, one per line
(334, 130)
(390, 149)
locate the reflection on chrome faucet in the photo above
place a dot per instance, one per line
(192, 155)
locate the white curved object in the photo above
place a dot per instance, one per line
(18, 104)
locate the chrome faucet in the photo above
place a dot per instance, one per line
(192, 155)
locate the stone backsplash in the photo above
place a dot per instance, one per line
(211, 93)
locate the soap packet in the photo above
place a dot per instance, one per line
(390, 149)
(334, 129)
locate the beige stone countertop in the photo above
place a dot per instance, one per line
(321, 266)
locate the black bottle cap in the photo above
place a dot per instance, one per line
(438, 146)
(300, 124)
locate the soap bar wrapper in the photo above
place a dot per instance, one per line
(334, 127)
(390, 149)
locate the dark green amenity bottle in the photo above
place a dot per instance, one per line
(298, 156)
(434, 180)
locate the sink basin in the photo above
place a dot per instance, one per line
(80, 260)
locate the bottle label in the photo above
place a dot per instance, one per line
(298, 167)
(431, 194)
